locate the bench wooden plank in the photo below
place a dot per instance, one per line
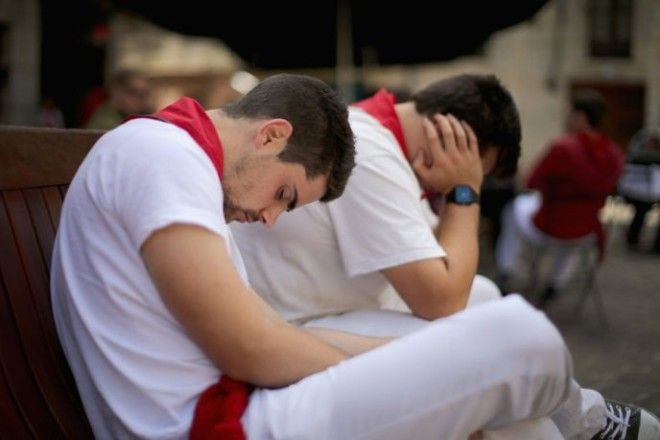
(14, 421)
(16, 365)
(54, 197)
(35, 157)
(38, 398)
(42, 222)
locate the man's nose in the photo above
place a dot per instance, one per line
(270, 215)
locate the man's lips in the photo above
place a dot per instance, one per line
(244, 217)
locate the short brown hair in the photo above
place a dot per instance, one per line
(591, 103)
(486, 105)
(322, 140)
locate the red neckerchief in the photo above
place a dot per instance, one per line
(189, 115)
(381, 107)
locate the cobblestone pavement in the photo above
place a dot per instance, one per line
(622, 361)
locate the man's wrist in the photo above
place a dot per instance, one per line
(462, 194)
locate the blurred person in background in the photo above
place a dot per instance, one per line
(129, 93)
(571, 183)
(49, 114)
(640, 183)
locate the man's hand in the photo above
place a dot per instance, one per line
(451, 156)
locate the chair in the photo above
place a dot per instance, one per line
(588, 265)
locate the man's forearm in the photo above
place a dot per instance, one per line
(349, 343)
(283, 355)
(437, 287)
(458, 234)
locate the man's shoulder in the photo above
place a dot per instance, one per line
(145, 136)
(371, 137)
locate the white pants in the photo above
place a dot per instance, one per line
(581, 416)
(518, 227)
(487, 367)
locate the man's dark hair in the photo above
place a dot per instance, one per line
(483, 103)
(322, 140)
(591, 103)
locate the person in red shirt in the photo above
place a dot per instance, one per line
(571, 182)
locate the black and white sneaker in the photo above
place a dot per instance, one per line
(628, 422)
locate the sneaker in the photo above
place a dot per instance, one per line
(549, 294)
(628, 422)
(502, 282)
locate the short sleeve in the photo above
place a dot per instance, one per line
(156, 178)
(379, 220)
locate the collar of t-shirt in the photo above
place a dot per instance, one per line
(189, 115)
(381, 107)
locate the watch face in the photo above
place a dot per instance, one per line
(463, 194)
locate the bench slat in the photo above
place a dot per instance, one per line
(38, 398)
(16, 365)
(34, 157)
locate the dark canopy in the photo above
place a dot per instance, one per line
(299, 34)
(270, 34)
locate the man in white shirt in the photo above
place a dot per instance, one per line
(329, 265)
(327, 259)
(167, 340)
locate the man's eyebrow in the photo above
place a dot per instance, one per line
(294, 200)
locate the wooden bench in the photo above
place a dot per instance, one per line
(38, 397)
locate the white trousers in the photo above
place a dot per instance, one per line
(580, 416)
(486, 367)
(518, 227)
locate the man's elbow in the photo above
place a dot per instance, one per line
(439, 306)
(241, 365)
(247, 361)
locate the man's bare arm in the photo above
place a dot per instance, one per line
(348, 342)
(438, 287)
(242, 335)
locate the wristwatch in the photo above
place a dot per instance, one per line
(462, 195)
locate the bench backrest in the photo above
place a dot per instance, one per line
(38, 397)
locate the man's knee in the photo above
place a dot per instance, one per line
(536, 352)
(528, 335)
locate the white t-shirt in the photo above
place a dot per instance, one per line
(138, 373)
(325, 259)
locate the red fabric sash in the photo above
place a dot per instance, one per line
(188, 114)
(219, 410)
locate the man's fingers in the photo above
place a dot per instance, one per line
(420, 167)
(473, 143)
(434, 147)
(446, 132)
(459, 133)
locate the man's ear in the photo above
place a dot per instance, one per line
(489, 158)
(274, 133)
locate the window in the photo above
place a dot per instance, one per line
(610, 28)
